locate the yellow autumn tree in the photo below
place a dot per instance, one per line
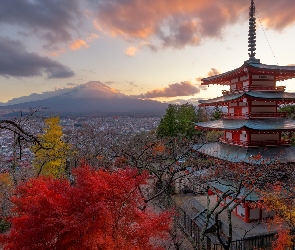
(52, 153)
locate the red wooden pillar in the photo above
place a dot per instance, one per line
(247, 212)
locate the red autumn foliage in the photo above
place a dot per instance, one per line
(284, 240)
(101, 210)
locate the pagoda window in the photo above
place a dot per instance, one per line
(233, 87)
(243, 136)
(266, 138)
(228, 136)
(263, 108)
(254, 214)
(234, 80)
(243, 78)
(246, 84)
(267, 214)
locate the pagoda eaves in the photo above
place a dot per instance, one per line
(280, 73)
(279, 97)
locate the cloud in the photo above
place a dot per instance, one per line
(110, 82)
(175, 23)
(71, 84)
(16, 61)
(77, 44)
(130, 51)
(213, 72)
(177, 89)
(55, 21)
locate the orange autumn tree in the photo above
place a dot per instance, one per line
(281, 201)
(101, 210)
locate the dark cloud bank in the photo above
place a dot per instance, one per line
(16, 61)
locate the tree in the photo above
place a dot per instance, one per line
(51, 155)
(178, 120)
(101, 210)
(281, 200)
(289, 109)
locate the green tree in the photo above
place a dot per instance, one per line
(178, 120)
(289, 109)
(52, 152)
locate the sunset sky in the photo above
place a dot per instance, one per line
(146, 48)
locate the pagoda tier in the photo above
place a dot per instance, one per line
(252, 104)
(252, 132)
(253, 75)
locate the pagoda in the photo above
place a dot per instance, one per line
(253, 124)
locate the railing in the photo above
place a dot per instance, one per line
(193, 231)
(253, 115)
(254, 88)
(255, 143)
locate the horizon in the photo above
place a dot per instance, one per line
(159, 52)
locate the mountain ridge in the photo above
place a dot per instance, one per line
(92, 98)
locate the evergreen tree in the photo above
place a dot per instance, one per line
(178, 120)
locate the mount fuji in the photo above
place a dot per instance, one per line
(92, 98)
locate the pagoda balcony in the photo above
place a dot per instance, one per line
(254, 115)
(247, 144)
(254, 88)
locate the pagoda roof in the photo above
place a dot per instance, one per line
(258, 95)
(281, 73)
(266, 124)
(225, 186)
(231, 153)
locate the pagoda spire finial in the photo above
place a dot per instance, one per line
(252, 32)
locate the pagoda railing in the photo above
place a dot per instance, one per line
(254, 88)
(255, 143)
(253, 115)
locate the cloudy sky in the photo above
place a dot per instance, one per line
(147, 48)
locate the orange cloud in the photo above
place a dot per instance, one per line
(185, 88)
(92, 37)
(130, 51)
(213, 72)
(78, 44)
(177, 23)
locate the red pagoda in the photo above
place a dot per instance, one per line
(252, 121)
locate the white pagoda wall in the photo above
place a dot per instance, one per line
(243, 136)
(228, 135)
(241, 210)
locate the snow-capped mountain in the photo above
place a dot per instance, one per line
(91, 98)
(93, 89)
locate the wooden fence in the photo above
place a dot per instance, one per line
(192, 230)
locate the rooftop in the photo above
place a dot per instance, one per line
(231, 153)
